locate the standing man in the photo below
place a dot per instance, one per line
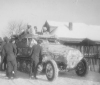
(1, 42)
(4, 62)
(35, 58)
(10, 51)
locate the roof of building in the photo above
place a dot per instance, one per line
(79, 30)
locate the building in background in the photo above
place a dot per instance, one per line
(72, 30)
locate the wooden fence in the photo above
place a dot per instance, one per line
(93, 64)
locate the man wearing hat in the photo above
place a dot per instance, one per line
(35, 58)
(9, 50)
(29, 29)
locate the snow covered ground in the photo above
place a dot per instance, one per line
(69, 78)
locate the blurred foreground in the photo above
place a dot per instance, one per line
(68, 78)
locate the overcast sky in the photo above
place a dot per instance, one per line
(36, 12)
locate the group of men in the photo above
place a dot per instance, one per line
(9, 54)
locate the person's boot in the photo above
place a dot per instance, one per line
(35, 76)
(6, 74)
(9, 75)
(32, 77)
(14, 75)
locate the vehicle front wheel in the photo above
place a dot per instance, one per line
(51, 70)
(82, 68)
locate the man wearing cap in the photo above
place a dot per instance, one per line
(35, 58)
(10, 51)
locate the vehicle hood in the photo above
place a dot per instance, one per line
(66, 54)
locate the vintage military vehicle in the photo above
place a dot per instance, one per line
(55, 56)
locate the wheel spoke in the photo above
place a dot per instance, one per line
(49, 70)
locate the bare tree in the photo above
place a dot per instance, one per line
(20, 27)
(15, 28)
(12, 27)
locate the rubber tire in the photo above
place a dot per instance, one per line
(55, 70)
(85, 70)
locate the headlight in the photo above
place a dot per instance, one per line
(44, 58)
(40, 67)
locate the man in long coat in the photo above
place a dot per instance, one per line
(9, 50)
(4, 60)
(35, 58)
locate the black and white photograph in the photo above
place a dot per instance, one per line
(49, 42)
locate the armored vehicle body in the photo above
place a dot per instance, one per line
(55, 57)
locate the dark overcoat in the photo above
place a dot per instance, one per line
(36, 53)
(10, 51)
